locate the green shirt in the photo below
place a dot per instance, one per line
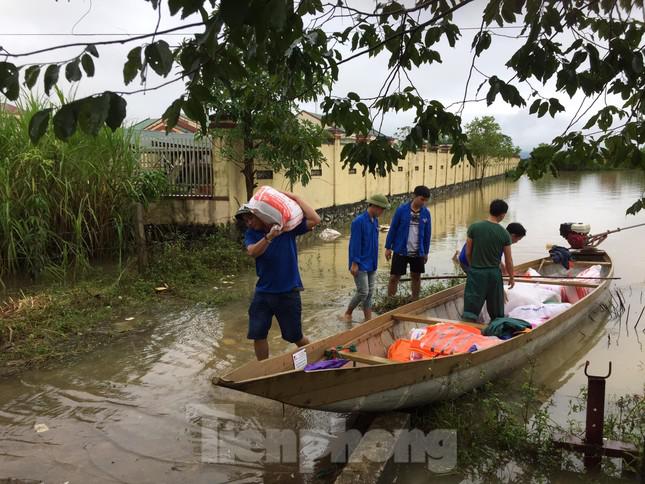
(489, 240)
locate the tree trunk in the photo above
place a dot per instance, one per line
(249, 178)
(249, 165)
(481, 176)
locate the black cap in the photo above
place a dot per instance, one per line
(243, 210)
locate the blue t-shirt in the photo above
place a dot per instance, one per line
(463, 260)
(277, 268)
(363, 243)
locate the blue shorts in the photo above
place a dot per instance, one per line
(287, 309)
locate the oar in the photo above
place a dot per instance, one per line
(438, 278)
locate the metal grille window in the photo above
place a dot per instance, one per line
(400, 168)
(316, 172)
(186, 161)
(352, 171)
(264, 175)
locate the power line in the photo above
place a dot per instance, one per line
(111, 34)
(122, 34)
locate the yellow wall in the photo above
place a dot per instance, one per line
(431, 168)
(450, 170)
(377, 185)
(416, 172)
(459, 176)
(335, 186)
(399, 178)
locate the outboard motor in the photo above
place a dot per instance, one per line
(577, 234)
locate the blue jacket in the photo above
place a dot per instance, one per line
(363, 243)
(397, 237)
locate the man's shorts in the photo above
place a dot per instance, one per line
(400, 264)
(287, 309)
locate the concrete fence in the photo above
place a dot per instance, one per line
(331, 185)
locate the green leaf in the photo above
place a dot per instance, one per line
(132, 66)
(9, 81)
(277, 12)
(482, 42)
(555, 107)
(637, 62)
(636, 207)
(544, 107)
(65, 121)
(591, 122)
(508, 11)
(117, 111)
(51, 76)
(534, 106)
(194, 109)
(73, 71)
(234, 12)
(38, 125)
(31, 76)
(492, 92)
(159, 57)
(91, 48)
(189, 7)
(491, 11)
(88, 65)
(171, 115)
(93, 113)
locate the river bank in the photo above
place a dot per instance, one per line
(55, 322)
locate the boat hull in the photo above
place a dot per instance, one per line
(384, 387)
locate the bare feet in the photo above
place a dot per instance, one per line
(347, 317)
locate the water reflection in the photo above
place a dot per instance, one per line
(133, 411)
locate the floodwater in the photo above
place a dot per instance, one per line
(143, 409)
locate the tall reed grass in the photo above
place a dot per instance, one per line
(64, 203)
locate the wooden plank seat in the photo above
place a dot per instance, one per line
(364, 358)
(418, 319)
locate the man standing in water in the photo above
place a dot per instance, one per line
(517, 232)
(277, 292)
(363, 255)
(409, 240)
(487, 240)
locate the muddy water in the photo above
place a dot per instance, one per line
(143, 409)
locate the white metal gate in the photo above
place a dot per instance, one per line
(186, 161)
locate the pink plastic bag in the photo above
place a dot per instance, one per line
(575, 293)
(275, 208)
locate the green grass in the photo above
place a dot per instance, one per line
(63, 320)
(383, 302)
(65, 203)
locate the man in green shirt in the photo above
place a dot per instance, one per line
(486, 241)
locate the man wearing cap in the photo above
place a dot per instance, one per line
(408, 241)
(277, 292)
(363, 255)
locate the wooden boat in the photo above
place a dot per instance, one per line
(371, 382)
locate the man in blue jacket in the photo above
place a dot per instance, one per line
(408, 241)
(363, 255)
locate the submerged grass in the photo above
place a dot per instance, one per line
(62, 320)
(506, 436)
(383, 302)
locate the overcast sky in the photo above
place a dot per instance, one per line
(26, 25)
